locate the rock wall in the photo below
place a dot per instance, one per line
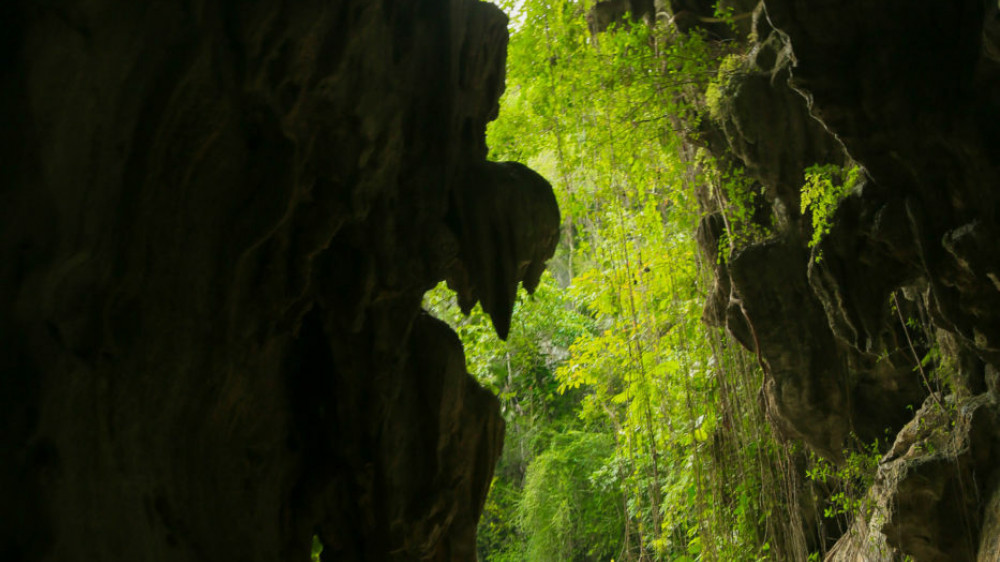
(217, 223)
(911, 94)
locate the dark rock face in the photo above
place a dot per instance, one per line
(913, 96)
(821, 385)
(926, 499)
(217, 223)
(507, 219)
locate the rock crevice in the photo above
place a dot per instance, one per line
(900, 292)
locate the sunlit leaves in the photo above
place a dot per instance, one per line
(571, 501)
(824, 188)
(623, 439)
(600, 121)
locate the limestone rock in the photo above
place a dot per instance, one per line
(507, 221)
(931, 488)
(903, 288)
(217, 223)
(821, 383)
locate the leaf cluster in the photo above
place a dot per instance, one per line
(824, 188)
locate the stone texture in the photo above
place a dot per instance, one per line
(507, 220)
(217, 222)
(821, 383)
(931, 488)
(912, 95)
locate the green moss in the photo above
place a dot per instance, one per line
(723, 87)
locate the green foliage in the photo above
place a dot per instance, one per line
(571, 507)
(633, 432)
(748, 217)
(520, 370)
(500, 538)
(317, 549)
(723, 87)
(825, 187)
(848, 483)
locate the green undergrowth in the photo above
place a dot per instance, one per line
(634, 432)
